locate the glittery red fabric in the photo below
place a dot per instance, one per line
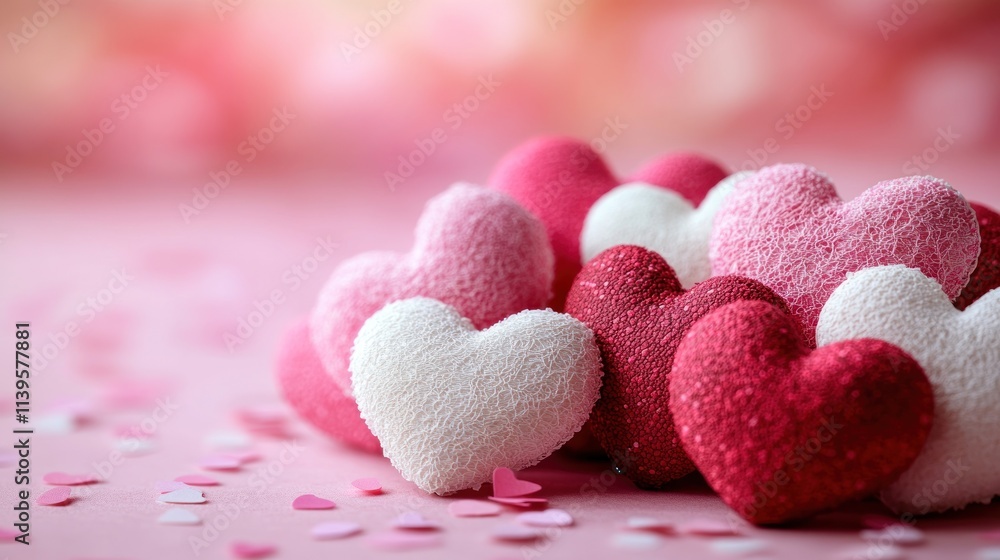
(631, 299)
(782, 432)
(689, 175)
(986, 277)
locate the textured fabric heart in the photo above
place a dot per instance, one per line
(315, 396)
(450, 403)
(986, 277)
(659, 220)
(786, 227)
(782, 432)
(559, 179)
(960, 352)
(476, 249)
(631, 299)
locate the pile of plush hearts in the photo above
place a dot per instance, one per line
(797, 350)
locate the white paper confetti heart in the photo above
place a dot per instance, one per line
(335, 530)
(182, 496)
(178, 516)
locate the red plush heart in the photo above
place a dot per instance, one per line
(313, 393)
(782, 432)
(633, 302)
(986, 277)
(687, 174)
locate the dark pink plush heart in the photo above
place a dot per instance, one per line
(781, 431)
(786, 227)
(986, 277)
(688, 174)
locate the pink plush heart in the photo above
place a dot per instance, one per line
(314, 394)
(687, 174)
(786, 227)
(476, 249)
(507, 485)
(311, 501)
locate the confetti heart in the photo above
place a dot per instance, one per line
(63, 479)
(473, 508)
(707, 528)
(547, 518)
(782, 432)
(369, 485)
(178, 516)
(413, 521)
(310, 501)
(182, 496)
(396, 541)
(507, 485)
(335, 530)
(242, 549)
(58, 496)
(648, 524)
(221, 463)
(515, 533)
(197, 480)
(519, 502)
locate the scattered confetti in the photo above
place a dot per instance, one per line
(636, 541)
(515, 533)
(902, 535)
(412, 520)
(134, 446)
(197, 480)
(473, 508)
(547, 518)
(252, 550)
(394, 541)
(507, 485)
(63, 479)
(221, 463)
(228, 441)
(335, 530)
(369, 485)
(58, 496)
(55, 423)
(186, 495)
(707, 528)
(311, 501)
(738, 546)
(648, 524)
(179, 516)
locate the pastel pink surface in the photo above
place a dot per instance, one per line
(558, 180)
(507, 485)
(787, 227)
(315, 395)
(687, 174)
(55, 497)
(475, 249)
(311, 501)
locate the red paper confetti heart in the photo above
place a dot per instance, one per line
(782, 432)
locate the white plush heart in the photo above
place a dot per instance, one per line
(659, 220)
(960, 352)
(450, 404)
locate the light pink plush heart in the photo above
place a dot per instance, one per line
(786, 227)
(476, 249)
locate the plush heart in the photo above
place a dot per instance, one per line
(315, 396)
(634, 304)
(786, 227)
(782, 432)
(450, 403)
(960, 351)
(689, 175)
(659, 220)
(476, 249)
(986, 277)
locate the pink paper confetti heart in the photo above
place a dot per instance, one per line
(63, 479)
(507, 485)
(707, 528)
(413, 521)
(547, 518)
(519, 502)
(369, 485)
(252, 550)
(393, 541)
(515, 533)
(311, 501)
(58, 496)
(197, 480)
(335, 530)
(473, 508)
(221, 463)
(164, 486)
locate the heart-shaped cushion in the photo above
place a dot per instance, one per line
(986, 277)
(475, 249)
(786, 227)
(634, 304)
(782, 432)
(960, 351)
(450, 403)
(688, 174)
(660, 220)
(313, 393)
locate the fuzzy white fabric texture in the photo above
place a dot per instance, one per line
(660, 220)
(960, 353)
(450, 404)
